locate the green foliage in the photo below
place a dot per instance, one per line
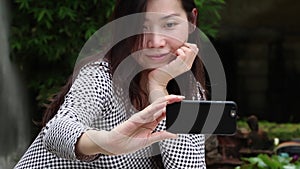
(263, 161)
(46, 36)
(209, 17)
(284, 131)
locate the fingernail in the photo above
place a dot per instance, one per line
(181, 97)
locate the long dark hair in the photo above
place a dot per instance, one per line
(121, 50)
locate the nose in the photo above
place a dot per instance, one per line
(155, 40)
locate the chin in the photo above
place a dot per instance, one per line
(154, 66)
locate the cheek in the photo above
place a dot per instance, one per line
(178, 42)
(175, 44)
(177, 38)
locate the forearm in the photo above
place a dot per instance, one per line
(157, 84)
(86, 146)
(156, 92)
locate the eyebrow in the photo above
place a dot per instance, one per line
(166, 17)
(169, 16)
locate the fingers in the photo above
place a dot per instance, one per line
(170, 98)
(150, 113)
(186, 55)
(159, 136)
(180, 52)
(155, 110)
(159, 116)
(174, 98)
(188, 49)
(192, 46)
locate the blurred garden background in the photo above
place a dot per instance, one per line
(258, 43)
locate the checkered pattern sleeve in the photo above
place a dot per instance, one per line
(83, 104)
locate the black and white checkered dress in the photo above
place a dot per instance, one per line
(91, 103)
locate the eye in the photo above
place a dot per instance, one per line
(170, 25)
(146, 28)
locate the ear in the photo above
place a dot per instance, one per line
(195, 16)
(193, 20)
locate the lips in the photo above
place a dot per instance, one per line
(157, 56)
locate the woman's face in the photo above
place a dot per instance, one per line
(166, 28)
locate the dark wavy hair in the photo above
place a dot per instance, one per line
(123, 49)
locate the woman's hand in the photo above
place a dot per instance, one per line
(159, 78)
(135, 133)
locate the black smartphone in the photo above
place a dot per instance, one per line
(202, 117)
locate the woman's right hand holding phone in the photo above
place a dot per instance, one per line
(133, 134)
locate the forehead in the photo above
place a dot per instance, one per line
(164, 9)
(164, 6)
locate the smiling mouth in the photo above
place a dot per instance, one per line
(158, 56)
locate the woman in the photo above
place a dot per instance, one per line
(90, 123)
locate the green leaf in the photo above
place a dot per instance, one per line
(23, 4)
(40, 16)
(271, 163)
(256, 160)
(64, 12)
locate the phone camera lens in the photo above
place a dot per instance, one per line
(233, 113)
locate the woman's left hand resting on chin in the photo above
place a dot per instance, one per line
(132, 135)
(159, 77)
